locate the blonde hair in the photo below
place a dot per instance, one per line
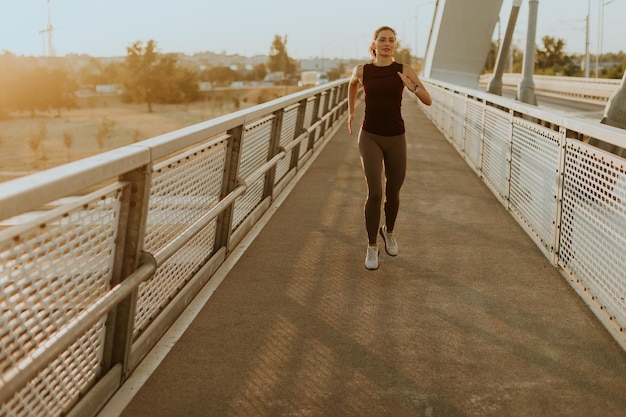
(376, 33)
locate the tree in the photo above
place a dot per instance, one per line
(112, 73)
(492, 54)
(19, 90)
(142, 79)
(552, 59)
(9, 68)
(57, 89)
(337, 72)
(186, 85)
(403, 55)
(28, 85)
(259, 72)
(221, 75)
(90, 74)
(151, 77)
(279, 60)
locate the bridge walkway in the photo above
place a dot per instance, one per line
(469, 320)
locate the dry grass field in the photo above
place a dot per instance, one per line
(103, 122)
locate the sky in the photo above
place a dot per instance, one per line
(319, 28)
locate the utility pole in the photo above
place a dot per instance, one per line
(526, 89)
(495, 85)
(587, 63)
(417, 7)
(600, 32)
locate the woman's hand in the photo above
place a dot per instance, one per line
(407, 81)
(350, 120)
(414, 85)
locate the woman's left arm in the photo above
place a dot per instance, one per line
(414, 84)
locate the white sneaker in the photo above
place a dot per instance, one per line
(371, 259)
(391, 245)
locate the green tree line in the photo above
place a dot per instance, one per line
(30, 84)
(552, 59)
(27, 85)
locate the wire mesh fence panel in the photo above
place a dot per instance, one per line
(535, 153)
(473, 133)
(495, 150)
(254, 153)
(52, 268)
(287, 135)
(183, 190)
(593, 226)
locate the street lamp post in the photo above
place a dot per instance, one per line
(600, 32)
(417, 57)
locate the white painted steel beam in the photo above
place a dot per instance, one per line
(460, 40)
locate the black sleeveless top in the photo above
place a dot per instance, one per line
(383, 97)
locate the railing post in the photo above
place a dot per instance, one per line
(314, 119)
(131, 231)
(481, 159)
(336, 93)
(509, 159)
(558, 220)
(344, 95)
(325, 111)
(295, 153)
(223, 226)
(274, 148)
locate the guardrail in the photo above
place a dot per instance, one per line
(586, 90)
(99, 257)
(563, 180)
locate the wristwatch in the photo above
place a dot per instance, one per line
(417, 87)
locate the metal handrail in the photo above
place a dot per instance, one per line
(133, 167)
(184, 237)
(29, 367)
(568, 190)
(592, 90)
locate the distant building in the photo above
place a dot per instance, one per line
(320, 64)
(274, 77)
(108, 89)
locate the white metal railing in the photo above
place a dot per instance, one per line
(100, 256)
(587, 90)
(563, 180)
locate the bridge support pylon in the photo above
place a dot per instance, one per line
(495, 85)
(526, 89)
(615, 110)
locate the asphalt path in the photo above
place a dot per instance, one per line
(470, 319)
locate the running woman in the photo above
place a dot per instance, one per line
(382, 141)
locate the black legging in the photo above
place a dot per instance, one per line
(375, 149)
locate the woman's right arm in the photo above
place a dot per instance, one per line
(353, 89)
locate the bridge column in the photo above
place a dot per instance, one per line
(495, 85)
(615, 110)
(526, 89)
